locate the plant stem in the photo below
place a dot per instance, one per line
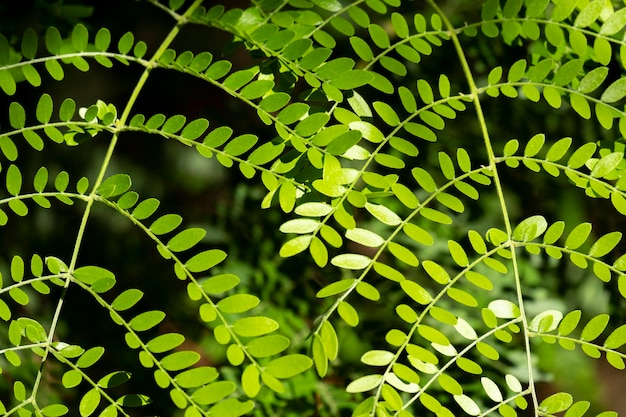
(100, 178)
(500, 192)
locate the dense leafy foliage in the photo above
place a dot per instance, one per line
(411, 156)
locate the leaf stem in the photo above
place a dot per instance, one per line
(105, 164)
(498, 184)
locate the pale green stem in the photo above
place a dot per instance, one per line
(105, 164)
(498, 184)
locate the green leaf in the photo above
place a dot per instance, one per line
(364, 383)
(134, 400)
(165, 224)
(436, 272)
(569, 322)
(335, 288)
(418, 293)
(615, 91)
(530, 228)
(288, 366)
(348, 313)
(206, 260)
(186, 239)
(212, 393)
(165, 342)
(254, 326)
(250, 381)
(54, 410)
(17, 115)
(196, 377)
(13, 180)
(567, 72)
(220, 283)
(352, 79)
(146, 320)
(578, 236)
(351, 261)
(365, 237)
(194, 129)
(379, 36)
(614, 23)
(546, 321)
(125, 43)
(605, 244)
(89, 402)
(504, 309)
(387, 113)
(238, 303)
(102, 39)
(593, 80)
(41, 179)
(384, 214)
(534, 145)
(180, 360)
(617, 338)
(92, 274)
(295, 246)
(90, 357)
(589, 13)
(595, 327)
(313, 209)
(115, 185)
(581, 155)
(377, 358)
(467, 404)
(556, 403)
(607, 164)
(266, 346)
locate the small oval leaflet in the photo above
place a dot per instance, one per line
(238, 303)
(556, 403)
(91, 274)
(89, 402)
(348, 313)
(383, 214)
(595, 327)
(365, 237)
(351, 261)
(270, 345)
(220, 283)
(504, 309)
(545, 321)
(147, 320)
(299, 226)
(213, 392)
(530, 228)
(335, 288)
(165, 224)
(254, 326)
(377, 358)
(364, 383)
(114, 185)
(90, 357)
(288, 366)
(186, 239)
(165, 342)
(180, 360)
(196, 377)
(206, 260)
(114, 379)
